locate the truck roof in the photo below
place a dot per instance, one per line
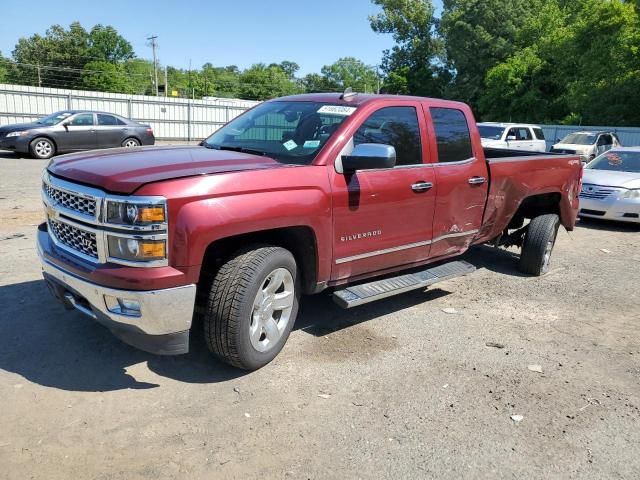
(357, 99)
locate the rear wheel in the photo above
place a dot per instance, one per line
(539, 241)
(42, 148)
(252, 306)
(131, 142)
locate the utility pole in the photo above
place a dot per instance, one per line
(166, 82)
(154, 45)
(39, 77)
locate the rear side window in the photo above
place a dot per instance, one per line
(395, 126)
(539, 133)
(452, 134)
(109, 120)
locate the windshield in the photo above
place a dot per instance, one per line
(54, 118)
(289, 132)
(617, 161)
(580, 139)
(490, 131)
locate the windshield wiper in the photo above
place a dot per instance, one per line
(231, 148)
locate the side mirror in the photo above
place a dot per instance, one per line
(511, 138)
(369, 156)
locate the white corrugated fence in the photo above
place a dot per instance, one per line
(170, 118)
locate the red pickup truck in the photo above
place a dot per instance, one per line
(368, 196)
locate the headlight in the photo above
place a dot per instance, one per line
(136, 249)
(136, 213)
(18, 134)
(631, 194)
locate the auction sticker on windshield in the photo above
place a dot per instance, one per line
(337, 110)
(290, 145)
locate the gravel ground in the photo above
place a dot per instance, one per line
(395, 389)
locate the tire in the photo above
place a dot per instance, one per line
(42, 148)
(241, 327)
(130, 142)
(538, 244)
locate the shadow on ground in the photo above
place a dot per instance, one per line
(54, 347)
(607, 225)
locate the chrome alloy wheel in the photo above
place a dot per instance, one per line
(272, 309)
(43, 148)
(131, 143)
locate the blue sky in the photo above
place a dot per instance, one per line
(240, 32)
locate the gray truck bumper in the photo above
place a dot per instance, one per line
(161, 326)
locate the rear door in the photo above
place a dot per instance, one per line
(383, 218)
(79, 133)
(462, 179)
(110, 131)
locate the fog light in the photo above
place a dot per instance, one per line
(122, 306)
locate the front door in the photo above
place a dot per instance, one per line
(382, 218)
(79, 133)
(462, 182)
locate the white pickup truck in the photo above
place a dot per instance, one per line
(512, 136)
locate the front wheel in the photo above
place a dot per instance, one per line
(538, 244)
(42, 148)
(252, 306)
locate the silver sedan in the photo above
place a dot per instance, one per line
(611, 186)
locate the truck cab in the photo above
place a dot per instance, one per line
(364, 195)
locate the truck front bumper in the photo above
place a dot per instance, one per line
(158, 323)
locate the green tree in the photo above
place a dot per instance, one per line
(106, 44)
(4, 68)
(261, 82)
(139, 74)
(105, 77)
(480, 34)
(58, 58)
(351, 72)
(578, 62)
(314, 82)
(415, 64)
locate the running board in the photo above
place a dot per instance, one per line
(356, 295)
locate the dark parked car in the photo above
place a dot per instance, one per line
(74, 130)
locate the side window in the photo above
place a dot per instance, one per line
(539, 133)
(513, 133)
(395, 126)
(107, 120)
(452, 134)
(82, 119)
(525, 134)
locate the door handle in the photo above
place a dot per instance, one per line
(477, 180)
(421, 186)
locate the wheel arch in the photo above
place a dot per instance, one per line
(300, 240)
(536, 205)
(48, 137)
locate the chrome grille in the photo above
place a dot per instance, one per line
(593, 191)
(74, 238)
(70, 201)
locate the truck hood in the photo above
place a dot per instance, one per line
(123, 170)
(607, 178)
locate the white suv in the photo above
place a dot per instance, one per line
(512, 136)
